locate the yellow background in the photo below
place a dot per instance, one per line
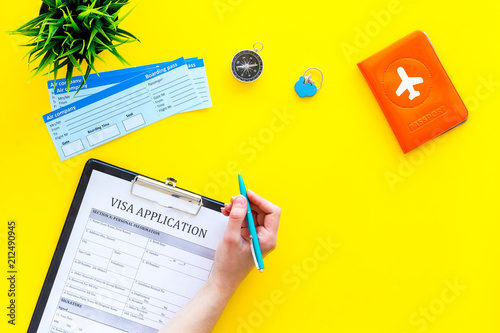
(400, 242)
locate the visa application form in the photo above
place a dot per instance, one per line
(129, 264)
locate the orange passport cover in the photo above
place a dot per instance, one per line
(413, 90)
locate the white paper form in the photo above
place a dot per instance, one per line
(129, 264)
(96, 83)
(121, 109)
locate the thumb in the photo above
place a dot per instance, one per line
(237, 216)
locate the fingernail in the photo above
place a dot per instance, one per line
(232, 199)
(240, 201)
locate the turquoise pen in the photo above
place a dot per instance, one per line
(254, 244)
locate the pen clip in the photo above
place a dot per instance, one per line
(253, 253)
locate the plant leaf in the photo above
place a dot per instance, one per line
(34, 21)
(123, 17)
(82, 8)
(102, 32)
(48, 58)
(56, 68)
(127, 34)
(83, 47)
(73, 50)
(49, 3)
(69, 75)
(52, 31)
(73, 24)
(61, 65)
(92, 35)
(99, 57)
(111, 22)
(74, 62)
(91, 65)
(101, 42)
(118, 55)
(87, 73)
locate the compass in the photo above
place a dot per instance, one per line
(247, 65)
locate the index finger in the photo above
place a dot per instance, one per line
(271, 211)
(264, 205)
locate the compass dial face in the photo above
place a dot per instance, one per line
(247, 66)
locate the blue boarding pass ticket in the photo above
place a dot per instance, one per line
(122, 108)
(96, 83)
(199, 76)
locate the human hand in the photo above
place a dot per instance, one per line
(233, 258)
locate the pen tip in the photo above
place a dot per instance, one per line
(261, 270)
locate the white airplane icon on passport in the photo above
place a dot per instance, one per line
(407, 83)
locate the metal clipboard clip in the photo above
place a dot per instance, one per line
(166, 194)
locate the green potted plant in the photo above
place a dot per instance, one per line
(70, 32)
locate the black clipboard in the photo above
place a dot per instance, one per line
(137, 180)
